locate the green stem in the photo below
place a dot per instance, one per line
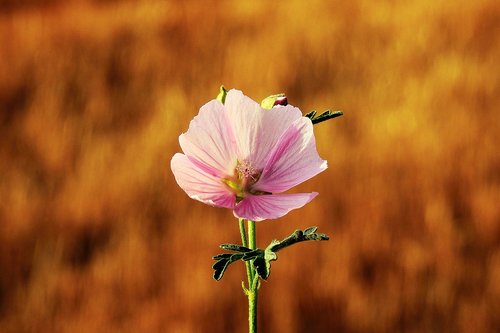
(253, 286)
(244, 242)
(252, 246)
(253, 278)
(252, 311)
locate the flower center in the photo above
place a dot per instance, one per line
(245, 175)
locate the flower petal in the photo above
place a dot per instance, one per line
(273, 206)
(210, 140)
(200, 185)
(257, 130)
(293, 160)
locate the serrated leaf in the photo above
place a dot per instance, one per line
(253, 254)
(235, 247)
(220, 263)
(262, 267)
(326, 115)
(310, 230)
(261, 259)
(219, 269)
(222, 256)
(270, 256)
(319, 237)
(223, 263)
(310, 115)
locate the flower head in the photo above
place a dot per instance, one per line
(240, 156)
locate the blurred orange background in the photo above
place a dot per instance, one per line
(96, 236)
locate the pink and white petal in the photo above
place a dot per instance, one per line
(257, 130)
(272, 206)
(293, 160)
(200, 185)
(210, 140)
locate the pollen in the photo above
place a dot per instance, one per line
(246, 173)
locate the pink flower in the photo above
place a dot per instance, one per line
(241, 156)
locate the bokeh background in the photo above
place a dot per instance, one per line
(96, 236)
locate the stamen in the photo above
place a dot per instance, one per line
(247, 173)
(245, 176)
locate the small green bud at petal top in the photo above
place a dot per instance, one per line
(221, 97)
(269, 102)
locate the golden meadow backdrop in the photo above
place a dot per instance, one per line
(96, 236)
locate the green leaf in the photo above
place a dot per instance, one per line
(310, 115)
(222, 256)
(223, 262)
(262, 267)
(235, 247)
(296, 237)
(262, 262)
(318, 237)
(310, 230)
(253, 254)
(261, 259)
(326, 115)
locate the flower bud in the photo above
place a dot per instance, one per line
(221, 97)
(282, 100)
(278, 99)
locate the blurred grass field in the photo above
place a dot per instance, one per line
(96, 236)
